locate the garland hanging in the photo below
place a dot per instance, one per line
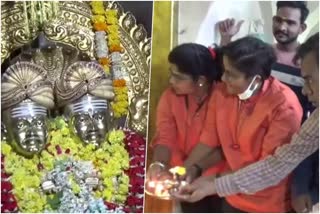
(108, 48)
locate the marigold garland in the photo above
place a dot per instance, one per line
(98, 19)
(113, 30)
(119, 83)
(97, 7)
(108, 22)
(110, 160)
(135, 145)
(104, 61)
(120, 103)
(100, 27)
(115, 48)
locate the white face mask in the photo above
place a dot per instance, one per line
(248, 92)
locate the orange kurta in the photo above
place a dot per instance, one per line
(180, 121)
(250, 130)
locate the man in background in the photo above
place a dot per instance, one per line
(288, 24)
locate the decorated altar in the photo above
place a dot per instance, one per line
(74, 92)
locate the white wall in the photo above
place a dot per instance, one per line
(196, 20)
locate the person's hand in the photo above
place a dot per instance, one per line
(228, 28)
(200, 188)
(192, 173)
(302, 204)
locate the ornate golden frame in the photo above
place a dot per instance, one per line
(71, 25)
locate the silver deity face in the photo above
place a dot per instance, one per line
(30, 133)
(90, 120)
(27, 129)
(91, 127)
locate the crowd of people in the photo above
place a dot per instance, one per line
(242, 118)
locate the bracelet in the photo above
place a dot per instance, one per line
(157, 163)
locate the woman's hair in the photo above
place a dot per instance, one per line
(251, 56)
(196, 60)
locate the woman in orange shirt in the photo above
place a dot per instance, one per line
(181, 112)
(250, 115)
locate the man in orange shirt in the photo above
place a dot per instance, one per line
(180, 115)
(249, 116)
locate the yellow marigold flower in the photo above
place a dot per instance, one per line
(111, 13)
(123, 104)
(98, 19)
(5, 149)
(120, 198)
(120, 90)
(75, 188)
(107, 194)
(116, 136)
(26, 177)
(108, 182)
(123, 188)
(96, 3)
(113, 41)
(116, 114)
(106, 69)
(65, 131)
(114, 30)
(97, 7)
(122, 97)
(113, 37)
(98, 194)
(111, 20)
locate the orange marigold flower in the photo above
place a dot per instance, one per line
(100, 26)
(119, 83)
(104, 61)
(115, 48)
